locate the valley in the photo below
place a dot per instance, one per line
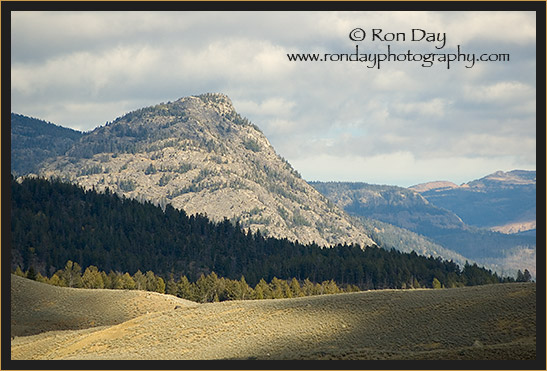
(191, 188)
(199, 155)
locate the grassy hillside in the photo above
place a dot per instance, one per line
(485, 322)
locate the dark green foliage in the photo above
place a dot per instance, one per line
(33, 141)
(151, 169)
(524, 277)
(31, 274)
(90, 170)
(251, 145)
(54, 222)
(127, 185)
(207, 288)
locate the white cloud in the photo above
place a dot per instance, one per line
(434, 107)
(399, 168)
(81, 69)
(501, 93)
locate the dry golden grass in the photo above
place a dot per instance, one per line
(486, 322)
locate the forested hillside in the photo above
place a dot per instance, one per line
(33, 141)
(406, 208)
(198, 154)
(494, 201)
(54, 222)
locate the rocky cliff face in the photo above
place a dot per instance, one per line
(199, 154)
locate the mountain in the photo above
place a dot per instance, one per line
(391, 204)
(408, 209)
(200, 155)
(34, 140)
(502, 201)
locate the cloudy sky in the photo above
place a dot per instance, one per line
(398, 124)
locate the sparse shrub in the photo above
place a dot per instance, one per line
(127, 185)
(251, 145)
(151, 169)
(164, 180)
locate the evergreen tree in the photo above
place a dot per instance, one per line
(31, 273)
(295, 288)
(127, 282)
(308, 288)
(19, 272)
(436, 283)
(171, 286)
(185, 289)
(57, 281)
(262, 290)
(72, 274)
(92, 279)
(141, 282)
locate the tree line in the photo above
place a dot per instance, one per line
(53, 222)
(207, 288)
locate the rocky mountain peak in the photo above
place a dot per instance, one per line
(198, 154)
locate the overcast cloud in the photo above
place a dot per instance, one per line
(401, 124)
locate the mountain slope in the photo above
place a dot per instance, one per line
(53, 222)
(33, 141)
(504, 201)
(407, 209)
(199, 154)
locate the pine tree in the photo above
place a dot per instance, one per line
(57, 281)
(127, 282)
(296, 290)
(140, 280)
(72, 274)
(436, 283)
(40, 278)
(308, 288)
(262, 290)
(185, 289)
(31, 273)
(171, 286)
(92, 279)
(19, 272)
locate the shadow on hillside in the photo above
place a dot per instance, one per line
(488, 322)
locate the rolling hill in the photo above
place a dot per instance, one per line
(491, 322)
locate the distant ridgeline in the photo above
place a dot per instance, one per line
(34, 140)
(54, 222)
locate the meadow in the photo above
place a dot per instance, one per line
(490, 322)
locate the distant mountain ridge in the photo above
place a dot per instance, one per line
(34, 140)
(199, 154)
(503, 201)
(437, 225)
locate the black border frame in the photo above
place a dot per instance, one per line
(8, 6)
